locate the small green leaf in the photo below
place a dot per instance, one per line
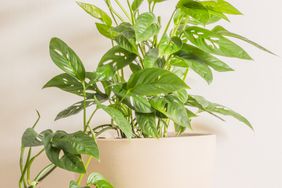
(118, 118)
(117, 57)
(96, 12)
(222, 31)
(215, 43)
(171, 107)
(107, 30)
(150, 58)
(73, 184)
(136, 4)
(98, 180)
(154, 81)
(31, 138)
(147, 124)
(169, 45)
(126, 44)
(146, 26)
(205, 105)
(66, 59)
(221, 6)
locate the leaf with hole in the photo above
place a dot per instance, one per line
(154, 81)
(215, 43)
(66, 59)
(222, 31)
(96, 12)
(146, 26)
(205, 105)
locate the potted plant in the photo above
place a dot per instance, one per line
(151, 110)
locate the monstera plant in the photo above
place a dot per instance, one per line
(157, 56)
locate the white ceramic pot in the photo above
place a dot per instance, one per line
(174, 162)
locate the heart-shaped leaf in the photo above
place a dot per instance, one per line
(98, 180)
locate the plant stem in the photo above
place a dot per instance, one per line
(113, 12)
(123, 9)
(91, 116)
(84, 107)
(86, 167)
(44, 172)
(168, 24)
(131, 13)
(30, 163)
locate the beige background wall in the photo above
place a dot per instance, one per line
(245, 159)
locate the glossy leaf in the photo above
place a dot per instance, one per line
(67, 161)
(171, 107)
(215, 43)
(194, 9)
(66, 83)
(150, 58)
(222, 31)
(117, 57)
(205, 105)
(146, 26)
(66, 59)
(154, 81)
(107, 30)
(98, 180)
(221, 6)
(147, 124)
(169, 45)
(73, 184)
(126, 44)
(96, 12)
(126, 29)
(119, 119)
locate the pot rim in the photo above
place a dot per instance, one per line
(170, 137)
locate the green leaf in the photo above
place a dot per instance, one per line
(66, 83)
(119, 119)
(66, 59)
(182, 95)
(194, 9)
(205, 105)
(117, 57)
(156, 1)
(31, 138)
(169, 45)
(222, 31)
(154, 81)
(125, 29)
(75, 143)
(150, 58)
(147, 124)
(136, 4)
(126, 44)
(73, 109)
(221, 6)
(171, 107)
(73, 184)
(107, 30)
(215, 43)
(96, 12)
(146, 26)
(98, 180)
(65, 160)
(137, 103)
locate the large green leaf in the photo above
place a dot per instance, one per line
(66, 59)
(146, 26)
(154, 81)
(31, 138)
(117, 57)
(171, 107)
(215, 43)
(169, 45)
(96, 12)
(119, 119)
(205, 105)
(222, 31)
(147, 124)
(98, 180)
(221, 6)
(66, 83)
(65, 160)
(137, 103)
(194, 9)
